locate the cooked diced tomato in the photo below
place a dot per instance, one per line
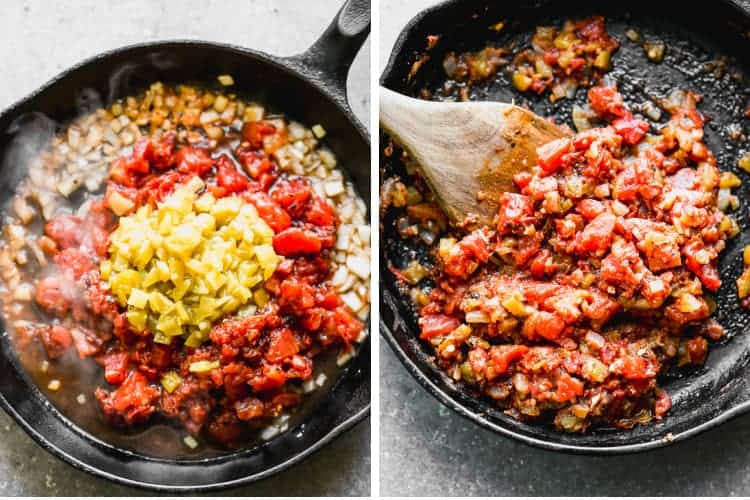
(226, 428)
(161, 356)
(522, 179)
(249, 408)
(634, 367)
(663, 403)
(162, 155)
(707, 273)
(295, 240)
(327, 299)
(589, 208)
(271, 377)
(139, 159)
(607, 101)
(132, 402)
(312, 319)
(551, 155)
(296, 293)
(632, 130)
(515, 210)
(286, 399)
(435, 325)
(319, 212)
(568, 388)
(503, 355)
(116, 367)
(547, 325)
(255, 132)
(228, 177)
(292, 194)
(86, 341)
(65, 230)
(54, 295)
(120, 174)
(74, 263)
(269, 210)
(56, 339)
(348, 327)
(254, 163)
(597, 235)
(282, 344)
(542, 264)
(476, 244)
(193, 160)
(697, 349)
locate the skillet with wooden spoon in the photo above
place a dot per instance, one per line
(468, 151)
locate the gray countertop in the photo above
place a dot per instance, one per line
(426, 449)
(41, 38)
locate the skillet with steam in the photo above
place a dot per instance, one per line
(310, 88)
(695, 39)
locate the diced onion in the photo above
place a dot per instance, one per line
(352, 301)
(343, 358)
(521, 383)
(308, 386)
(744, 162)
(334, 188)
(225, 80)
(359, 265)
(654, 51)
(688, 303)
(319, 131)
(190, 442)
(477, 317)
(581, 118)
(269, 432)
(722, 200)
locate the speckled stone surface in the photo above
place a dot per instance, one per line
(43, 37)
(428, 450)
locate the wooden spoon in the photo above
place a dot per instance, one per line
(469, 151)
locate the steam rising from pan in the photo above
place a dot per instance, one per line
(31, 133)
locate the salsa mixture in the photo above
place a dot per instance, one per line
(558, 60)
(597, 272)
(203, 252)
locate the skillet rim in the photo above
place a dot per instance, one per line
(293, 66)
(506, 429)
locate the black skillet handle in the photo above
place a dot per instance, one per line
(328, 60)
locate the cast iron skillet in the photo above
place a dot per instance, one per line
(311, 88)
(702, 398)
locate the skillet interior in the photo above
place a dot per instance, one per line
(694, 37)
(126, 72)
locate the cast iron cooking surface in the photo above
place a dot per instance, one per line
(275, 82)
(702, 397)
